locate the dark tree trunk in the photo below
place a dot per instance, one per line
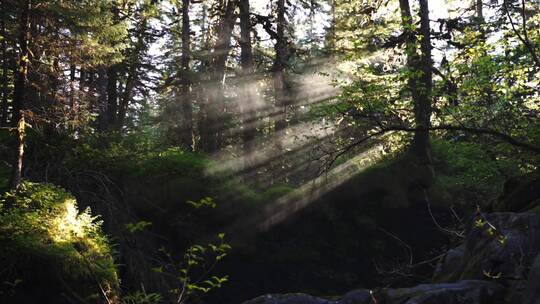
(5, 67)
(82, 79)
(479, 11)
(19, 156)
(21, 77)
(331, 36)
(201, 95)
(112, 96)
(134, 61)
(280, 62)
(103, 102)
(281, 88)
(420, 81)
(423, 106)
(185, 98)
(72, 97)
(216, 102)
(108, 90)
(126, 97)
(248, 95)
(21, 73)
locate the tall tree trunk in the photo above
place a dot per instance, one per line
(479, 8)
(103, 102)
(134, 61)
(112, 96)
(420, 81)
(423, 107)
(248, 94)
(281, 87)
(126, 97)
(280, 62)
(19, 91)
(16, 176)
(185, 98)
(72, 97)
(203, 119)
(216, 102)
(5, 67)
(108, 86)
(331, 37)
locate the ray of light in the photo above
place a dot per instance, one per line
(288, 205)
(291, 139)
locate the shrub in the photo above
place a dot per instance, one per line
(467, 168)
(43, 234)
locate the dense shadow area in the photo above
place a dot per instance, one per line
(333, 245)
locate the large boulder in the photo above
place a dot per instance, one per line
(498, 246)
(451, 261)
(532, 291)
(293, 298)
(463, 292)
(360, 296)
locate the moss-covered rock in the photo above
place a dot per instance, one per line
(51, 252)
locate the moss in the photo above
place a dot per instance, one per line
(467, 173)
(135, 157)
(42, 228)
(173, 161)
(275, 192)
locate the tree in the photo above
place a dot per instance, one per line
(4, 102)
(248, 91)
(145, 11)
(52, 37)
(419, 76)
(21, 78)
(281, 86)
(185, 98)
(212, 135)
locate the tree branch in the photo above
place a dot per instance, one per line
(524, 39)
(386, 129)
(482, 131)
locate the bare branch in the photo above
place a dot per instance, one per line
(525, 37)
(386, 129)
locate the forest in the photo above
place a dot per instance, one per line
(270, 152)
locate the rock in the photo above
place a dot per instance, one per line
(361, 296)
(505, 253)
(531, 295)
(451, 261)
(293, 298)
(463, 292)
(485, 254)
(488, 255)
